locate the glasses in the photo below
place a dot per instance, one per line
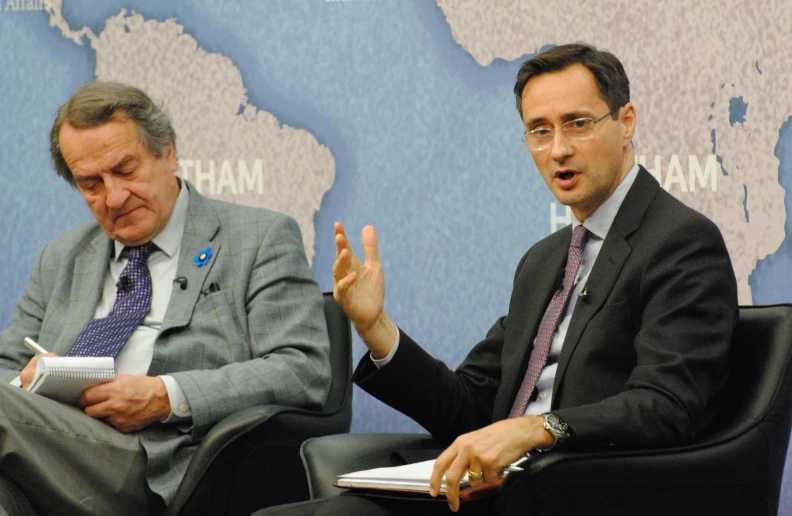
(540, 138)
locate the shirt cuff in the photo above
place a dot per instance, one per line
(180, 407)
(16, 382)
(382, 362)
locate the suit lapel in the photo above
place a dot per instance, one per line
(87, 283)
(200, 230)
(612, 257)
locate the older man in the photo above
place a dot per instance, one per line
(619, 326)
(208, 308)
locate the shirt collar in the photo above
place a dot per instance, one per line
(169, 239)
(600, 222)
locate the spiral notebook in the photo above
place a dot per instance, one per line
(65, 378)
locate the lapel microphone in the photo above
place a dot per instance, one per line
(584, 296)
(182, 281)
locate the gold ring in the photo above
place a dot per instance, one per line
(475, 476)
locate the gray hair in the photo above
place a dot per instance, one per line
(99, 102)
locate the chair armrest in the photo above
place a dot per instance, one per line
(327, 457)
(709, 461)
(265, 425)
(684, 479)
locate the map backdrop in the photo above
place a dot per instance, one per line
(400, 113)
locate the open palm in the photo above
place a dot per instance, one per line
(359, 287)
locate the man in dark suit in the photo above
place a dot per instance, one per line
(618, 329)
(234, 318)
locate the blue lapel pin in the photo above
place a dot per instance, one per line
(203, 257)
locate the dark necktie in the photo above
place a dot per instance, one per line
(106, 336)
(549, 324)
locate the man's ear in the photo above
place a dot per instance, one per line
(628, 123)
(170, 155)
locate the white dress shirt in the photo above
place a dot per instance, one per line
(135, 357)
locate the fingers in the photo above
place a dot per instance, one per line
(92, 396)
(347, 264)
(453, 465)
(341, 265)
(29, 371)
(370, 247)
(475, 471)
(440, 466)
(342, 286)
(346, 261)
(340, 238)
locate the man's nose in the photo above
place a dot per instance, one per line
(561, 147)
(116, 194)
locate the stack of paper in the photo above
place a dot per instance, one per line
(411, 478)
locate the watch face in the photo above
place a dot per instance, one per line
(556, 426)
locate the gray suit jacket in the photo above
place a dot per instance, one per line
(645, 357)
(261, 339)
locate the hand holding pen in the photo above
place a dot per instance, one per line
(26, 375)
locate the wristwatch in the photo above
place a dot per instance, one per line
(558, 428)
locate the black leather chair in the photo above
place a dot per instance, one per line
(251, 459)
(736, 470)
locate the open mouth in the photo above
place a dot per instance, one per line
(565, 175)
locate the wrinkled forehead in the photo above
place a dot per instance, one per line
(98, 145)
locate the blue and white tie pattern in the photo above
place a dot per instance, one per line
(106, 336)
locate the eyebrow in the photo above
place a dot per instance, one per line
(566, 117)
(126, 160)
(115, 169)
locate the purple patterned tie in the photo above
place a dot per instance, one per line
(106, 336)
(549, 324)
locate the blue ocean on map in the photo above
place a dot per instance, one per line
(427, 147)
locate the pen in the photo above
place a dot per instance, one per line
(34, 346)
(515, 466)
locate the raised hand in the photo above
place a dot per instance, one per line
(360, 290)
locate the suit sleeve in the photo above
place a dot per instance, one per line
(444, 402)
(677, 324)
(27, 320)
(282, 316)
(447, 403)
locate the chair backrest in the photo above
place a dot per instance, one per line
(339, 330)
(252, 447)
(758, 394)
(761, 351)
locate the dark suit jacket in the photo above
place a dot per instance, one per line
(644, 358)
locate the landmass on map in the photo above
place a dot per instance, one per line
(227, 148)
(710, 88)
